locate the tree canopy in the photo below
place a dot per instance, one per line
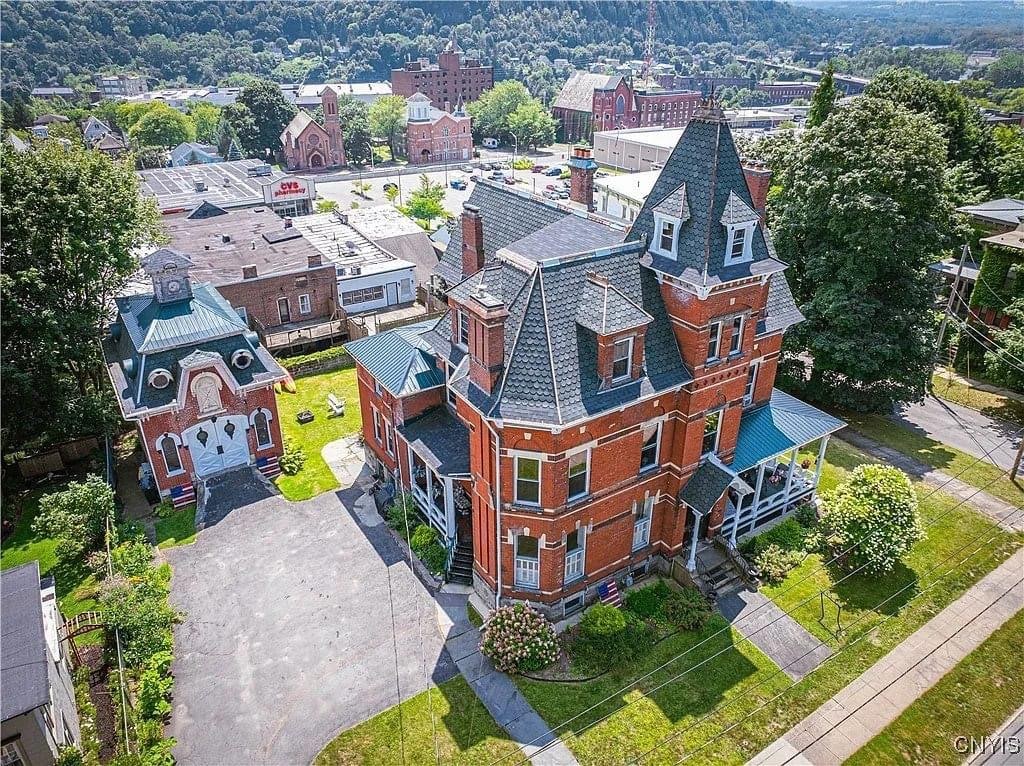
(162, 126)
(387, 119)
(863, 214)
(532, 125)
(824, 99)
(493, 112)
(73, 221)
(265, 115)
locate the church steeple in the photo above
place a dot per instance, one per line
(169, 271)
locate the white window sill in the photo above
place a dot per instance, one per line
(179, 472)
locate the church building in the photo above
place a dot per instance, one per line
(308, 145)
(196, 381)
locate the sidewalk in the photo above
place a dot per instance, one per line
(496, 690)
(1005, 745)
(981, 501)
(1005, 392)
(844, 724)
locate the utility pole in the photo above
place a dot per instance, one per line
(952, 294)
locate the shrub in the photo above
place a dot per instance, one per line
(155, 686)
(687, 609)
(648, 602)
(788, 535)
(399, 511)
(69, 756)
(139, 608)
(132, 559)
(775, 562)
(164, 509)
(422, 536)
(293, 459)
(518, 639)
(96, 562)
(129, 531)
(331, 354)
(434, 557)
(608, 636)
(873, 513)
(806, 515)
(76, 516)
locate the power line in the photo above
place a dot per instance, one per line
(790, 587)
(843, 649)
(988, 344)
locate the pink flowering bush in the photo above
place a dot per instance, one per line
(517, 638)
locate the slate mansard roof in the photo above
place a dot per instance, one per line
(24, 655)
(149, 335)
(706, 163)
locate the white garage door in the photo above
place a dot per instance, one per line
(218, 444)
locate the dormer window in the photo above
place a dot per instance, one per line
(739, 246)
(739, 237)
(160, 378)
(666, 235)
(622, 360)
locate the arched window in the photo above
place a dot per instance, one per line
(620, 105)
(206, 389)
(167, 445)
(261, 422)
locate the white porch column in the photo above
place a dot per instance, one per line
(789, 474)
(691, 563)
(819, 464)
(449, 508)
(736, 522)
(757, 489)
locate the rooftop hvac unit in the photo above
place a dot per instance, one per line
(355, 271)
(200, 185)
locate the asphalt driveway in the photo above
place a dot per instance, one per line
(289, 636)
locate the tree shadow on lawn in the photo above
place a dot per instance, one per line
(885, 594)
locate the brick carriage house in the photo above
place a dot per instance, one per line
(597, 402)
(308, 145)
(187, 369)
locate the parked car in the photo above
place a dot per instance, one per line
(467, 168)
(554, 170)
(538, 168)
(490, 143)
(563, 194)
(458, 183)
(509, 181)
(551, 187)
(497, 175)
(551, 194)
(602, 174)
(474, 178)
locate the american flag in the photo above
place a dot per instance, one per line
(609, 593)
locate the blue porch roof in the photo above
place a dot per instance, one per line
(778, 426)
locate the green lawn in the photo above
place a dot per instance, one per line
(76, 587)
(465, 733)
(972, 700)
(967, 468)
(177, 529)
(315, 477)
(735, 684)
(993, 405)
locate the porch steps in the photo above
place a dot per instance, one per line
(461, 570)
(725, 578)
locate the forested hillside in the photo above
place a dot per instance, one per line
(203, 43)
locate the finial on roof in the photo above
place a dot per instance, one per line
(710, 109)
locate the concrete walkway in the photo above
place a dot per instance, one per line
(496, 690)
(1005, 746)
(844, 724)
(980, 500)
(774, 632)
(346, 459)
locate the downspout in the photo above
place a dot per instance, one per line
(497, 512)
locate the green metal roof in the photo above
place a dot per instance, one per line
(399, 359)
(155, 326)
(774, 428)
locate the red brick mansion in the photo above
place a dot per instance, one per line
(433, 135)
(188, 371)
(598, 402)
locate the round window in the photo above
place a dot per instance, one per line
(160, 378)
(241, 359)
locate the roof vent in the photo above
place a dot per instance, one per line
(200, 185)
(225, 238)
(252, 245)
(355, 271)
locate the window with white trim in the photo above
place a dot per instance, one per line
(739, 247)
(527, 477)
(575, 545)
(666, 236)
(649, 450)
(738, 240)
(527, 569)
(376, 427)
(736, 341)
(305, 306)
(712, 427)
(642, 522)
(579, 474)
(464, 328)
(10, 755)
(389, 439)
(168, 447)
(714, 340)
(362, 295)
(261, 422)
(748, 392)
(622, 359)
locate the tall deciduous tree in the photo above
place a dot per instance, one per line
(73, 221)
(163, 126)
(863, 215)
(492, 111)
(425, 201)
(387, 119)
(531, 124)
(206, 118)
(355, 129)
(269, 113)
(824, 100)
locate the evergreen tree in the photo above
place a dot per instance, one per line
(825, 96)
(863, 214)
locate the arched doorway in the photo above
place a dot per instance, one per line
(316, 160)
(425, 155)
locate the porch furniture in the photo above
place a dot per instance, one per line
(336, 405)
(306, 416)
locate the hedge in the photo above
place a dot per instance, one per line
(297, 364)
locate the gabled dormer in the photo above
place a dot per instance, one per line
(619, 327)
(669, 217)
(740, 222)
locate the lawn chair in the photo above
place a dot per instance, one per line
(608, 592)
(335, 405)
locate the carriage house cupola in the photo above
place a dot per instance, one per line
(193, 377)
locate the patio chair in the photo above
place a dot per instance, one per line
(335, 405)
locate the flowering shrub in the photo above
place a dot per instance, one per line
(517, 638)
(293, 459)
(774, 562)
(873, 513)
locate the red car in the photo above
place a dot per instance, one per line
(509, 181)
(538, 168)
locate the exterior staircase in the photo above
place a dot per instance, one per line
(725, 578)
(461, 569)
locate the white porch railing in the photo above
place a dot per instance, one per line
(574, 565)
(527, 572)
(641, 532)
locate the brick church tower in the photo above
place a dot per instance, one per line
(332, 124)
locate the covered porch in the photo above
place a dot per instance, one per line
(767, 460)
(438, 455)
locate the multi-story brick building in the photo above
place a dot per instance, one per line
(594, 102)
(598, 401)
(193, 377)
(308, 145)
(433, 135)
(448, 83)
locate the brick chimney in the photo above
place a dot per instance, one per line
(314, 261)
(486, 338)
(581, 176)
(472, 240)
(249, 272)
(759, 178)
